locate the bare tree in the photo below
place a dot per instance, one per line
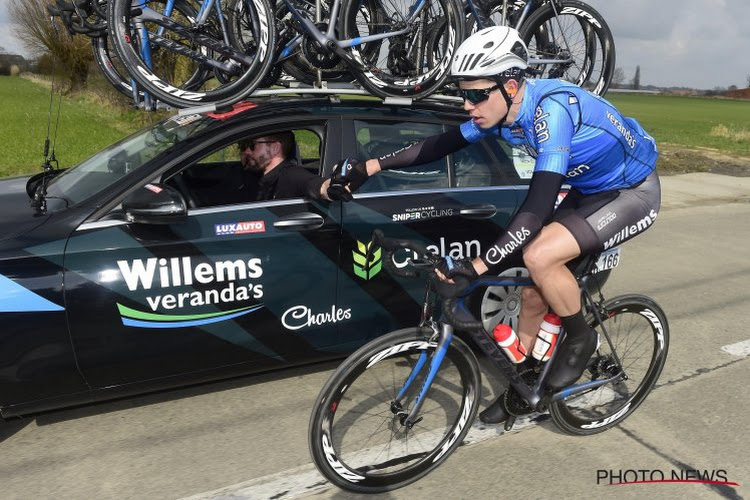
(40, 36)
(618, 77)
(748, 80)
(637, 78)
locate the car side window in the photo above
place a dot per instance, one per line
(376, 139)
(491, 162)
(219, 178)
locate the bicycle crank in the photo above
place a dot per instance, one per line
(319, 57)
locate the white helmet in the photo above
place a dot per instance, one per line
(490, 53)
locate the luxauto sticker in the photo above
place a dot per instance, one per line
(222, 282)
(248, 227)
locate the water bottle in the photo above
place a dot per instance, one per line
(546, 339)
(508, 341)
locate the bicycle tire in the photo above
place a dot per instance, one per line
(606, 406)
(591, 43)
(190, 92)
(108, 68)
(348, 411)
(394, 70)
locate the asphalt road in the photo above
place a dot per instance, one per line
(247, 438)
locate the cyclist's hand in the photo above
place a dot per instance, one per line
(452, 268)
(347, 176)
(449, 288)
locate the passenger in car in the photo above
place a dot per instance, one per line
(271, 157)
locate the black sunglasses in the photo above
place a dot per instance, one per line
(251, 144)
(475, 96)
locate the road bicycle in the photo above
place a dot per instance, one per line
(400, 405)
(567, 39)
(387, 57)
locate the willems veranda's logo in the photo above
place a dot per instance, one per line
(652, 476)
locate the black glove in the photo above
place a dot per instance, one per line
(452, 268)
(450, 290)
(348, 172)
(460, 271)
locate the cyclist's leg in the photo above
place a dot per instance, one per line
(533, 308)
(600, 221)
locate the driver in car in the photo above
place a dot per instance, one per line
(271, 157)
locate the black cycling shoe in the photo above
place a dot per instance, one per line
(496, 412)
(572, 359)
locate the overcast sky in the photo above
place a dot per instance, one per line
(693, 43)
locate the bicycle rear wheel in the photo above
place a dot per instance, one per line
(356, 438)
(403, 65)
(569, 29)
(639, 333)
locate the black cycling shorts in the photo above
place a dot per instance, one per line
(603, 220)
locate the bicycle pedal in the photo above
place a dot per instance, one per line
(509, 423)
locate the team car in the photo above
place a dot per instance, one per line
(142, 269)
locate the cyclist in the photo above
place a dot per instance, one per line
(578, 138)
(271, 156)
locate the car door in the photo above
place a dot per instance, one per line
(452, 211)
(244, 286)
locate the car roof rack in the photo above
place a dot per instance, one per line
(330, 89)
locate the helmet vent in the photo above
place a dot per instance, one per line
(519, 50)
(476, 60)
(488, 44)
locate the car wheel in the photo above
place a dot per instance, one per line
(502, 304)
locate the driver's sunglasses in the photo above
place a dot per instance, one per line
(252, 143)
(475, 96)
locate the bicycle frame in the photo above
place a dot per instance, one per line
(328, 39)
(163, 20)
(536, 396)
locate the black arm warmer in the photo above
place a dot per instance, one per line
(427, 150)
(535, 211)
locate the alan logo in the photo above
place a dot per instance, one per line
(367, 268)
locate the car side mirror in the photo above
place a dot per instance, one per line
(155, 204)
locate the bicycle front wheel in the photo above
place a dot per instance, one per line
(577, 35)
(639, 333)
(403, 65)
(357, 440)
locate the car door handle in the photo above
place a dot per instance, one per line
(300, 222)
(479, 211)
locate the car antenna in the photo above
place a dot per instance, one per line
(39, 201)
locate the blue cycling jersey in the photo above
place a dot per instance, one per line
(575, 133)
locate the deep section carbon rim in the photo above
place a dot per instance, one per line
(577, 34)
(406, 64)
(639, 333)
(357, 439)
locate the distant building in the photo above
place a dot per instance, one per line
(7, 61)
(739, 93)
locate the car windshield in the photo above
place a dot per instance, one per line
(112, 164)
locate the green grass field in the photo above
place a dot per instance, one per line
(722, 124)
(88, 124)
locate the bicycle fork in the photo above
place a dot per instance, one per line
(436, 358)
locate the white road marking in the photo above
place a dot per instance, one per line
(306, 479)
(741, 349)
